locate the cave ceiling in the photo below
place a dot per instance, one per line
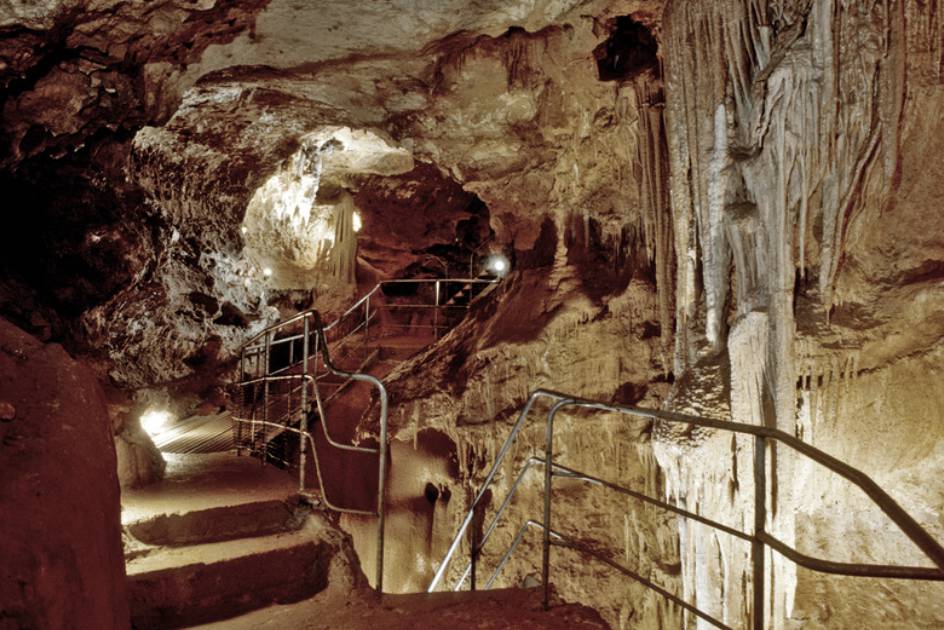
(147, 131)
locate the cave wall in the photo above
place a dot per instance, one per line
(60, 534)
(727, 216)
(790, 129)
(572, 169)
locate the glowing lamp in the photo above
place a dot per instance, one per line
(497, 265)
(155, 421)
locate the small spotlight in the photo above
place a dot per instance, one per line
(244, 229)
(155, 421)
(358, 224)
(498, 265)
(267, 272)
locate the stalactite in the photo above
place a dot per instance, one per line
(765, 140)
(343, 253)
(652, 156)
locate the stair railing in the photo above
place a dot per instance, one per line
(759, 539)
(289, 411)
(314, 332)
(256, 354)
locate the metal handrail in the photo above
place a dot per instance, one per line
(506, 447)
(562, 540)
(570, 543)
(494, 523)
(519, 536)
(363, 300)
(809, 562)
(309, 319)
(257, 352)
(806, 561)
(759, 539)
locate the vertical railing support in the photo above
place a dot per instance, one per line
(315, 354)
(436, 313)
(381, 485)
(473, 555)
(237, 426)
(758, 550)
(265, 398)
(303, 423)
(548, 480)
(252, 419)
(367, 320)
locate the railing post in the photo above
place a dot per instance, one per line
(252, 419)
(237, 426)
(436, 313)
(548, 480)
(265, 398)
(474, 552)
(758, 549)
(381, 486)
(303, 424)
(315, 353)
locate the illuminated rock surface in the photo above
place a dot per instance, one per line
(724, 208)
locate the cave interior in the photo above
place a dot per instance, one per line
(524, 313)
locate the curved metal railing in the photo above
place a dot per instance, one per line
(309, 381)
(258, 371)
(365, 310)
(759, 538)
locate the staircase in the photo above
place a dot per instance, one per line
(224, 537)
(225, 543)
(306, 386)
(219, 537)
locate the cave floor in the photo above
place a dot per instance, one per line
(223, 535)
(202, 481)
(481, 610)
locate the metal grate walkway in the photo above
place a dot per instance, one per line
(198, 434)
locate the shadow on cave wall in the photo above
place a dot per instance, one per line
(630, 50)
(81, 235)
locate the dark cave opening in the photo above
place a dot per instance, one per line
(421, 224)
(630, 50)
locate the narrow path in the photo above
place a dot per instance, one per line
(482, 610)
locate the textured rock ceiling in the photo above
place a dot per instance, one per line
(73, 68)
(795, 280)
(498, 98)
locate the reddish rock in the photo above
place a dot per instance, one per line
(60, 534)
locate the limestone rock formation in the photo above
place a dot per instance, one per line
(60, 535)
(723, 208)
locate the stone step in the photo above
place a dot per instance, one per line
(209, 498)
(259, 518)
(174, 587)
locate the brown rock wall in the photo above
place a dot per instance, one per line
(60, 531)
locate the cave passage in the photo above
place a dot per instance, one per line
(281, 282)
